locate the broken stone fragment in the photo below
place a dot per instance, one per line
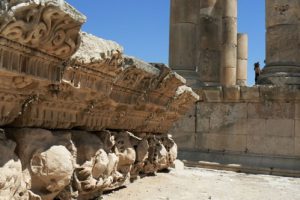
(96, 50)
(47, 160)
(50, 26)
(12, 185)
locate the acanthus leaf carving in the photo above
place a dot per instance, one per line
(48, 29)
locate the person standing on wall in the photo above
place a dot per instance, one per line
(257, 71)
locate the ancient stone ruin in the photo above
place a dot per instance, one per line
(204, 34)
(255, 128)
(78, 117)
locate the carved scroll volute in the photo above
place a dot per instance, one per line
(47, 28)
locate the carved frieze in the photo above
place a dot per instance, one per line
(51, 26)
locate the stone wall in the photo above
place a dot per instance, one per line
(257, 126)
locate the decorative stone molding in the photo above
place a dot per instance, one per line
(53, 76)
(98, 88)
(50, 26)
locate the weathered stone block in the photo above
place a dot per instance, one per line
(268, 92)
(250, 94)
(271, 110)
(256, 126)
(297, 128)
(297, 146)
(286, 94)
(226, 114)
(191, 112)
(203, 109)
(202, 124)
(221, 142)
(271, 145)
(186, 124)
(185, 140)
(221, 115)
(238, 127)
(280, 127)
(213, 94)
(297, 111)
(232, 93)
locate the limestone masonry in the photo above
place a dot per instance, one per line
(78, 117)
(256, 127)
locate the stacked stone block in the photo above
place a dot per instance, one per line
(252, 126)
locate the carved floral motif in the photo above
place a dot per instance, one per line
(48, 29)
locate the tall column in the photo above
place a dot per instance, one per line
(282, 44)
(242, 59)
(183, 36)
(229, 43)
(209, 41)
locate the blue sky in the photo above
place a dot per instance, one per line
(142, 26)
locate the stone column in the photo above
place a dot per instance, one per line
(209, 41)
(282, 44)
(242, 59)
(229, 43)
(183, 37)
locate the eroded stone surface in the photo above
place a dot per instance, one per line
(12, 185)
(53, 76)
(77, 164)
(95, 90)
(50, 25)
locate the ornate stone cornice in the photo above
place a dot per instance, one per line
(52, 26)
